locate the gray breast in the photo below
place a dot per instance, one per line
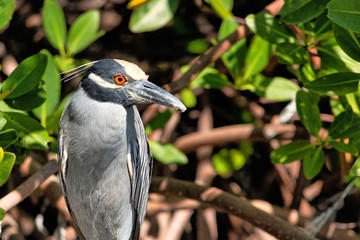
(97, 177)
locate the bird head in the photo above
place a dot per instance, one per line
(122, 82)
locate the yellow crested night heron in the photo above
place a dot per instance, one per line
(105, 162)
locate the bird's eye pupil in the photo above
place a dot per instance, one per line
(120, 79)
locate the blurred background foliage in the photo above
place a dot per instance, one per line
(299, 68)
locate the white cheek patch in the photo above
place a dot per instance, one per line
(101, 82)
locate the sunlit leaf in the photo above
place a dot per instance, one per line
(345, 13)
(343, 147)
(267, 26)
(308, 112)
(158, 121)
(8, 137)
(32, 134)
(275, 89)
(226, 161)
(167, 153)
(54, 24)
(26, 76)
(188, 98)
(84, 31)
(7, 8)
(2, 214)
(291, 152)
(152, 15)
(335, 84)
(348, 40)
(313, 162)
(6, 166)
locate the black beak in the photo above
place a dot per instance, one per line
(143, 91)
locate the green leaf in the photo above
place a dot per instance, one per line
(345, 13)
(8, 137)
(335, 84)
(234, 58)
(210, 78)
(1, 154)
(6, 166)
(313, 162)
(306, 13)
(348, 40)
(7, 8)
(52, 87)
(221, 9)
(267, 27)
(28, 101)
(32, 134)
(158, 121)
(341, 123)
(2, 121)
(52, 123)
(226, 161)
(167, 153)
(83, 32)
(343, 147)
(26, 76)
(275, 89)
(2, 214)
(257, 57)
(152, 15)
(291, 6)
(197, 46)
(355, 169)
(227, 27)
(291, 152)
(308, 112)
(188, 98)
(330, 60)
(54, 24)
(289, 53)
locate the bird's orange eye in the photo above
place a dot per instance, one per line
(120, 79)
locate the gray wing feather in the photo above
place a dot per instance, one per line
(141, 168)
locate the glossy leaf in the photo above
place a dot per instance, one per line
(355, 169)
(7, 8)
(307, 12)
(308, 112)
(275, 89)
(26, 76)
(335, 84)
(52, 88)
(84, 31)
(2, 121)
(343, 147)
(210, 78)
(341, 123)
(167, 153)
(1, 154)
(257, 57)
(32, 134)
(152, 15)
(226, 161)
(288, 53)
(221, 9)
(28, 101)
(268, 27)
(54, 24)
(234, 58)
(8, 137)
(348, 40)
(291, 152)
(330, 60)
(345, 13)
(6, 166)
(313, 162)
(188, 98)
(158, 121)
(291, 6)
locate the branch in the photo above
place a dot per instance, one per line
(228, 203)
(215, 52)
(233, 133)
(26, 188)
